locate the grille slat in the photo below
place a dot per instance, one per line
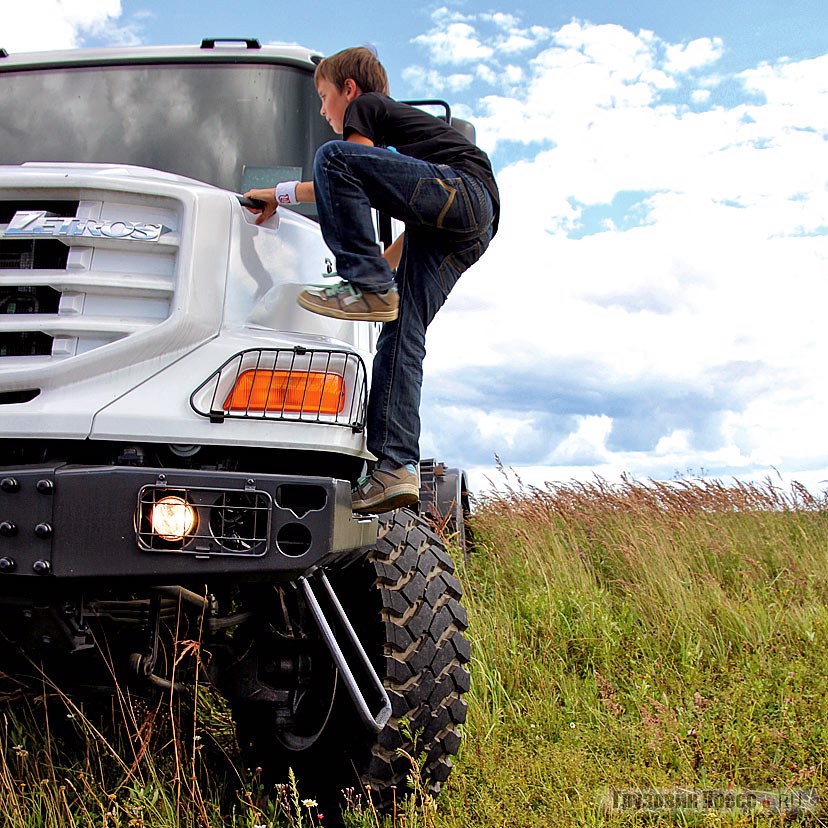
(72, 325)
(98, 282)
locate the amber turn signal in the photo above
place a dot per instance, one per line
(308, 392)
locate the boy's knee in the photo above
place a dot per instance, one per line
(327, 150)
(325, 156)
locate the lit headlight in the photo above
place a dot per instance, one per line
(172, 518)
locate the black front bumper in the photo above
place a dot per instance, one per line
(78, 522)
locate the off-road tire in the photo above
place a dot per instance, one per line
(424, 654)
(403, 599)
(445, 501)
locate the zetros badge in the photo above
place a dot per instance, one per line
(37, 224)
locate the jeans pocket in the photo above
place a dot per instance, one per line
(442, 203)
(465, 258)
(457, 263)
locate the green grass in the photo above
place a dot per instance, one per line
(642, 636)
(624, 637)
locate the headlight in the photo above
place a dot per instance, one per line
(204, 520)
(172, 518)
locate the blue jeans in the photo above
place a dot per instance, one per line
(448, 219)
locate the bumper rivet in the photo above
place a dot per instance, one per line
(43, 531)
(8, 529)
(45, 486)
(9, 485)
(41, 567)
(7, 565)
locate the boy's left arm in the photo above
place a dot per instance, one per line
(356, 138)
(304, 194)
(393, 253)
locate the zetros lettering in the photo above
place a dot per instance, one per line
(38, 223)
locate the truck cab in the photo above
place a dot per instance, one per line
(177, 436)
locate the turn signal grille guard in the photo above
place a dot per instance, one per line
(287, 384)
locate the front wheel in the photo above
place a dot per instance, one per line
(403, 600)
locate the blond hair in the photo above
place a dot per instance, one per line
(358, 63)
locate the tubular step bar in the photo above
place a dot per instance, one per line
(374, 721)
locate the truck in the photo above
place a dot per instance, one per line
(179, 439)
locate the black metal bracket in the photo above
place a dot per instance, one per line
(249, 42)
(433, 102)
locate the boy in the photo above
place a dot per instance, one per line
(418, 169)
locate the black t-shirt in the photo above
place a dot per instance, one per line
(389, 123)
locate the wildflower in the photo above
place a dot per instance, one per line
(309, 803)
(572, 725)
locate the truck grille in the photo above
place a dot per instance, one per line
(62, 297)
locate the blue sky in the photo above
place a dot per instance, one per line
(654, 302)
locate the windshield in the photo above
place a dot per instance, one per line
(233, 125)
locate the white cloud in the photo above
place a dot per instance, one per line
(797, 84)
(662, 238)
(436, 82)
(585, 445)
(41, 25)
(609, 46)
(486, 73)
(504, 21)
(483, 39)
(677, 442)
(514, 74)
(684, 57)
(456, 43)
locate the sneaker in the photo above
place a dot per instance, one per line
(346, 301)
(386, 489)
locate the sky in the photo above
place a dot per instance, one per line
(654, 304)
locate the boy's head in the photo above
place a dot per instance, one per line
(359, 64)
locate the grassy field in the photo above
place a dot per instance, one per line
(655, 637)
